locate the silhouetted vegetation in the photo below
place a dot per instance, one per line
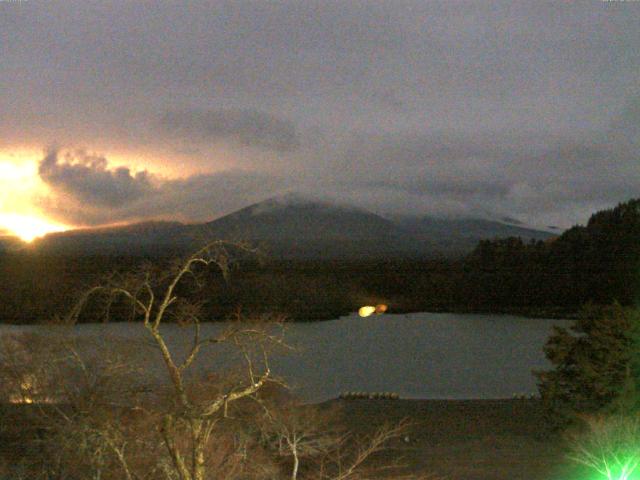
(596, 365)
(598, 263)
(592, 394)
(102, 414)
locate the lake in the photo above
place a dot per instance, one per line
(417, 355)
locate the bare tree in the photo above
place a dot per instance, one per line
(73, 399)
(299, 432)
(155, 302)
(105, 422)
(320, 448)
(348, 458)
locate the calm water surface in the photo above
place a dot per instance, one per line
(419, 355)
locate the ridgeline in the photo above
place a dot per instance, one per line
(598, 263)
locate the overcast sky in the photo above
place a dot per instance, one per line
(122, 111)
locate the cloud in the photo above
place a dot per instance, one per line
(86, 191)
(246, 127)
(539, 177)
(529, 175)
(527, 110)
(88, 179)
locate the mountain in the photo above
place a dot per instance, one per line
(152, 238)
(461, 235)
(294, 217)
(293, 226)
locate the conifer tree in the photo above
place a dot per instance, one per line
(596, 365)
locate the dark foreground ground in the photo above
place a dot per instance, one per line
(468, 439)
(457, 440)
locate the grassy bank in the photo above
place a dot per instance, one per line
(468, 439)
(452, 439)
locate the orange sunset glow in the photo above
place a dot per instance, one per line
(31, 206)
(19, 187)
(21, 190)
(27, 227)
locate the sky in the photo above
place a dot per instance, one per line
(119, 111)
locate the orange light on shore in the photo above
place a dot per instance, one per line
(369, 310)
(366, 310)
(381, 308)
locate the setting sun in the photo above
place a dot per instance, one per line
(19, 185)
(27, 227)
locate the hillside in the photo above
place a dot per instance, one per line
(294, 227)
(461, 235)
(149, 238)
(598, 263)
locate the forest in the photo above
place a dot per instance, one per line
(597, 263)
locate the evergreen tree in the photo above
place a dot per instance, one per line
(596, 365)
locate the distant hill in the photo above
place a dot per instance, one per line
(292, 226)
(150, 238)
(10, 243)
(294, 217)
(461, 235)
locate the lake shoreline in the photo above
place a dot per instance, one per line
(489, 439)
(457, 439)
(543, 314)
(557, 313)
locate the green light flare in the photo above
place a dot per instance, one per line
(615, 468)
(609, 447)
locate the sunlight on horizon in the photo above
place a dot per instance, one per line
(22, 191)
(28, 227)
(19, 183)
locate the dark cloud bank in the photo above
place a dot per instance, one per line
(247, 127)
(89, 180)
(87, 192)
(528, 110)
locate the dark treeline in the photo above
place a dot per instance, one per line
(597, 263)
(35, 288)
